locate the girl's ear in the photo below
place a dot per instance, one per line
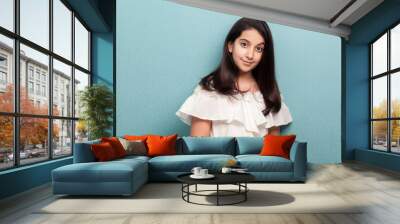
(230, 46)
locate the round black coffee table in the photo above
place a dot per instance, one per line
(238, 179)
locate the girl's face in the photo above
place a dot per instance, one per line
(247, 50)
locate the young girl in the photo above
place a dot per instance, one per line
(241, 97)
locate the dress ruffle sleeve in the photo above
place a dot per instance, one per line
(254, 120)
(204, 104)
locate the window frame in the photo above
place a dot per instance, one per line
(388, 74)
(16, 115)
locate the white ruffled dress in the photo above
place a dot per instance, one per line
(236, 116)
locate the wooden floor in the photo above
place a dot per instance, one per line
(378, 188)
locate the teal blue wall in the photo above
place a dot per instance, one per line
(103, 45)
(163, 49)
(357, 84)
(102, 58)
(103, 49)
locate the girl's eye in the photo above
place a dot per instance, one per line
(243, 44)
(260, 49)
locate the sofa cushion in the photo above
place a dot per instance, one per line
(207, 145)
(185, 163)
(257, 163)
(249, 145)
(131, 158)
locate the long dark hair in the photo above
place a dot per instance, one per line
(223, 78)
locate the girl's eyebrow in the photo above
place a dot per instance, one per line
(250, 42)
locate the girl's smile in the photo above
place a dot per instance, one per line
(247, 63)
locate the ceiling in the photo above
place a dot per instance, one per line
(326, 16)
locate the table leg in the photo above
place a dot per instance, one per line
(217, 194)
(196, 188)
(188, 189)
(245, 193)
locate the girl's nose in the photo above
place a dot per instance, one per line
(250, 54)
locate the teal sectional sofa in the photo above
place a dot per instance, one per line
(125, 176)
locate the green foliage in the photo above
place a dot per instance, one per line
(97, 104)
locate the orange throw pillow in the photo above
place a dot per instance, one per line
(161, 145)
(135, 137)
(103, 151)
(116, 145)
(277, 145)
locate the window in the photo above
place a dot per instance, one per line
(30, 72)
(55, 103)
(62, 29)
(7, 142)
(33, 149)
(43, 90)
(62, 140)
(81, 45)
(81, 81)
(38, 74)
(55, 127)
(6, 85)
(7, 14)
(35, 21)
(3, 72)
(38, 89)
(3, 78)
(3, 61)
(62, 74)
(43, 77)
(30, 87)
(385, 91)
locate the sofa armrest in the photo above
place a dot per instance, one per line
(298, 154)
(83, 152)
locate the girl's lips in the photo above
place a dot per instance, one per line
(247, 63)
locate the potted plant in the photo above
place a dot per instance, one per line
(96, 102)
